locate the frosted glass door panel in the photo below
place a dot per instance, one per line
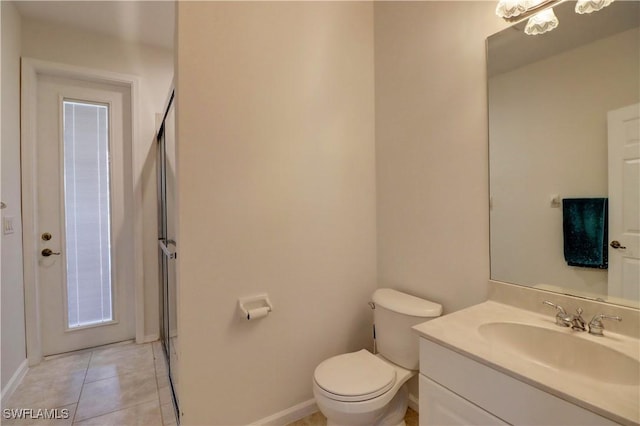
(87, 214)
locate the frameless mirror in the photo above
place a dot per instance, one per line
(563, 127)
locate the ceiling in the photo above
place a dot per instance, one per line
(148, 22)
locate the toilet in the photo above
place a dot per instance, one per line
(360, 388)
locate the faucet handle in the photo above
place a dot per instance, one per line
(558, 307)
(595, 325)
(561, 315)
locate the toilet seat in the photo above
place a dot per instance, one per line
(356, 376)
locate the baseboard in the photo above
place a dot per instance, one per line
(289, 415)
(413, 403)
(15, 380)
(151, 338)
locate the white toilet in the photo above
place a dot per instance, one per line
(360, 388)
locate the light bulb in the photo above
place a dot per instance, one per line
(541, 22)
(588, 6)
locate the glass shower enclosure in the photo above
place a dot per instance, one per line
(167, 246)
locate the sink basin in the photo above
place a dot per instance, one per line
(561, 350)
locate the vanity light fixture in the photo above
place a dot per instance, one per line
(589, 6)
(518, 10)
(540, 15)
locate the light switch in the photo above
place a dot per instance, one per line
(7, 225)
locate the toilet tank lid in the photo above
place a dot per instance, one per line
(406, 304)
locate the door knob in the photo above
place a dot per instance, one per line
(47, 252)
(616, 245)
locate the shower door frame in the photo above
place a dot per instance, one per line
(165, 255)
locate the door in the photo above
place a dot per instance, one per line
(624, 202)
(84, 218)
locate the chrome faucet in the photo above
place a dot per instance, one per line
(595, 325)
(563, 319)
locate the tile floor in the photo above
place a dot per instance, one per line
(123, 384)
(317, 419)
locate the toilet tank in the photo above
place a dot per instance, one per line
(394, 315)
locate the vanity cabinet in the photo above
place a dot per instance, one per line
(458, 390)
(440, 406)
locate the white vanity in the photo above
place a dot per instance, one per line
(516, 359)
(495, 364)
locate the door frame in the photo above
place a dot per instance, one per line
(28, 150)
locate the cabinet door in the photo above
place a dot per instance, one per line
(439, 406)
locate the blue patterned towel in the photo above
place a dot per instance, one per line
(585, 231)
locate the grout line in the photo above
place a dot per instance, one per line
(155, 370)
(113, 411)
(91, 353)
(120, 374)
(85, 350)
(81, 389)
(119, 408)
(162, 359)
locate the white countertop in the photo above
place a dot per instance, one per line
(459, 332)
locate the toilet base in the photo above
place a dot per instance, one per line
(329, 423)
(390, 415)
(397, 409)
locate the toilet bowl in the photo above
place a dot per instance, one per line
(360, 388)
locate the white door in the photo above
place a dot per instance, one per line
(85, 227)
(624, 202)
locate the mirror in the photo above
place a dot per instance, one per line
(563, 125)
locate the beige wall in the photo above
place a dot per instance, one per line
(13, 351)
(275, 119)
(154, 66)
(562, 102)
(431, 149)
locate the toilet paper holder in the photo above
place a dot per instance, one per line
(254, 307)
